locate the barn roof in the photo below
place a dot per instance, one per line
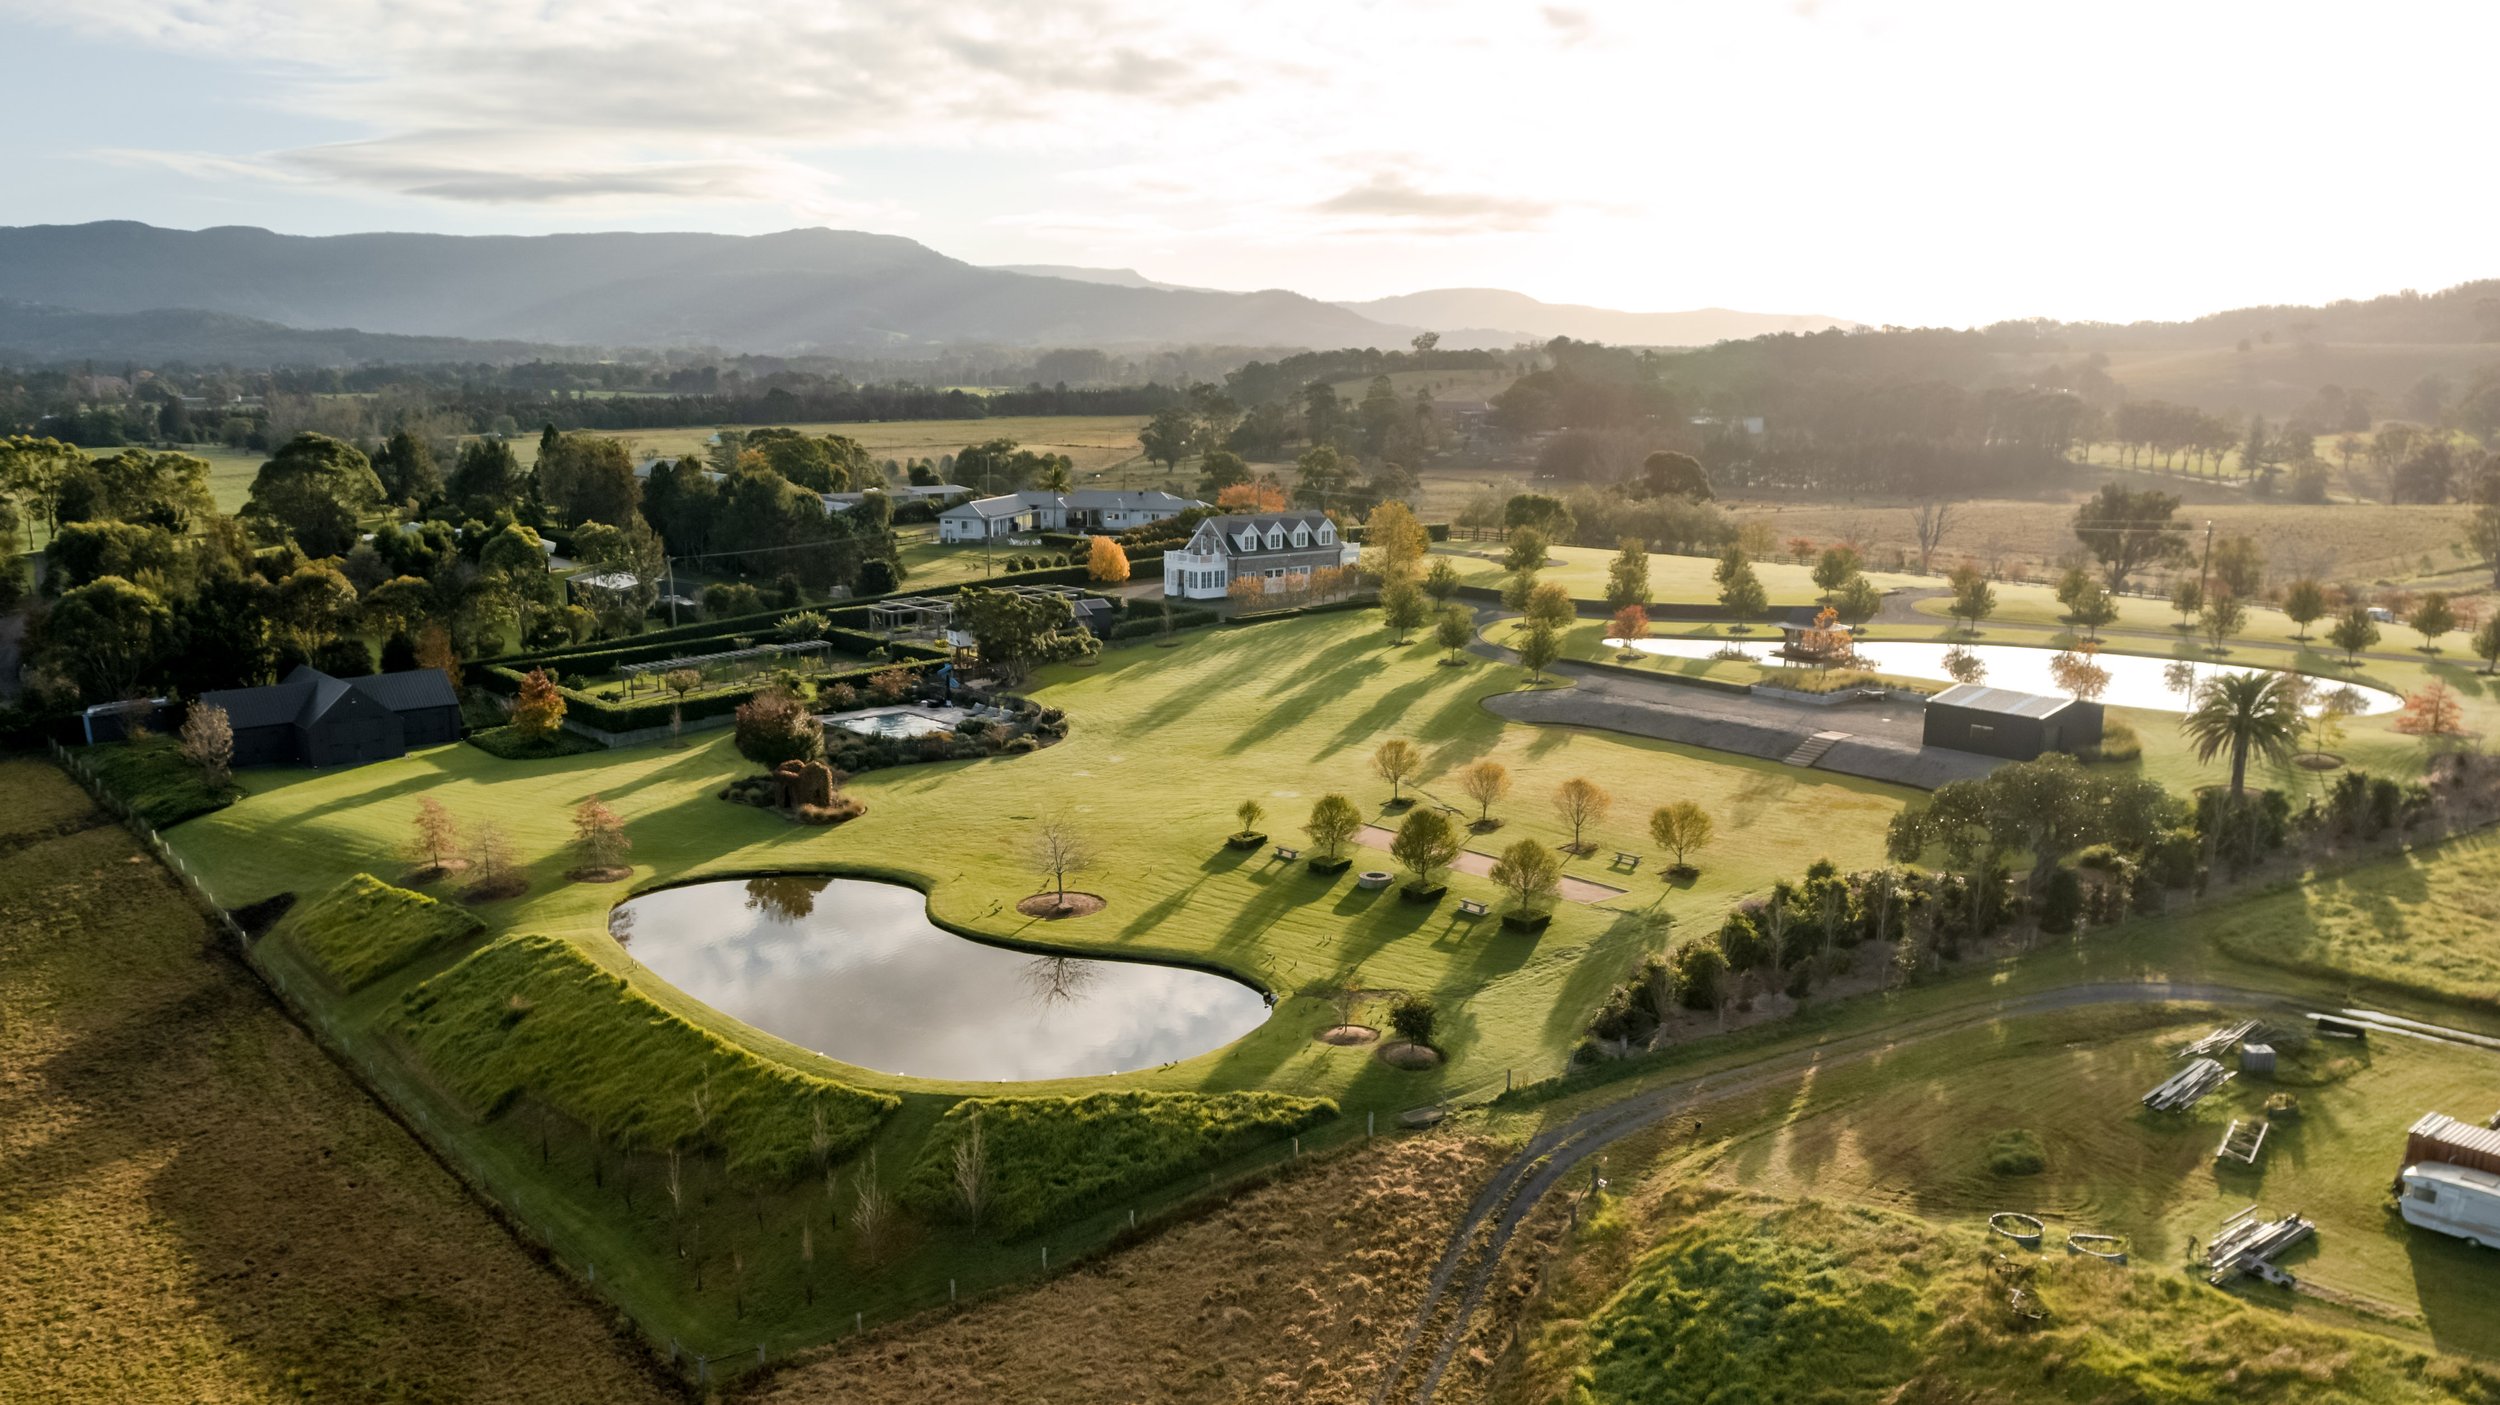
(308, 693)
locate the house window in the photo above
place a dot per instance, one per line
(1276, 538)
(1249, 538)
(1275, 573)
(1327, 533)
(1301, 535)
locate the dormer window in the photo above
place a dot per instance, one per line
(1249, 538)
(1301, 534)
(1276, 538)
(1327, 533)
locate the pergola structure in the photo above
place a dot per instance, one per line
(912, 614)
(1056, 592)
(807, 655)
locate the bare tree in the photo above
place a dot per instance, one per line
(1581, 802)
(972, 1172)
(1930, 520)
(599, 834)
(1059, 850)
(438, 835)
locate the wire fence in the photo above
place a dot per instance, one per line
(710, 1362)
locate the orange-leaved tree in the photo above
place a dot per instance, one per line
(539, 711)
(1106, 562)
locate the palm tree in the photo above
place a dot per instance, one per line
(2245, 712)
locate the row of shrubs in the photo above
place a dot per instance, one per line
(532, 1016)
(608, 715)
(1049, 1160)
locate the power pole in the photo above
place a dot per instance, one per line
(2204, 572)
(672, 591)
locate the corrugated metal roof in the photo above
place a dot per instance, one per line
(1979, 697)
(2450, 1131)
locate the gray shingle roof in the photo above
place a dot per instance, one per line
(1979, 697)
(308, 693)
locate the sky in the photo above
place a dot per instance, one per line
(1932, 162)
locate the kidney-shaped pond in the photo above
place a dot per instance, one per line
(856, 971)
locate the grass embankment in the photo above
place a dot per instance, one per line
(199, 1205)
(1049, 1160)
(1683, 579)
(152, 778)
(531, 1016)
(365, 929)
(1750, 1299)
(2426, 921)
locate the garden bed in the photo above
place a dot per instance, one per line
(1055, 906)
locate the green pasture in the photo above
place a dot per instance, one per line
(1676, 579)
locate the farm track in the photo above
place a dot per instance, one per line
(1473, 1257)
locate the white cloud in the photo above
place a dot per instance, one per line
(1944, 160)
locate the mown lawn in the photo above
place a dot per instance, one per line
(199, 1204)
(1677, 579)
(1165, 743)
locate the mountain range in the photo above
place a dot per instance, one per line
(119, 288)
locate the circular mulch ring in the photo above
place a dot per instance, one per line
(600, 875)
(1049, 906)
(512, 887)
(1345, 1035)
(1401, 1054)
(2318, 761)
(433, 873)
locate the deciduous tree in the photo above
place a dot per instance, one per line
(1106, 562)
(1334, 822)
(2304, 602)
(1530, 873)
(1426, 845)
(437, 836)
(539, 710)
(2128, 531)
(1484, 782)
(1059, 849)
(599, 835)
(1397, 761)
(1630, 625)
(2433, 617)
(208, 744)
(1581, 802)
(1681, 828)
(1403, 607)
(1539, 645)
(1454, 629)
(2354, 631)
(1627, 576)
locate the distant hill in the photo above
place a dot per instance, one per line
(1108, 277)
(801, 290)
(29, 332)
(1472, 315)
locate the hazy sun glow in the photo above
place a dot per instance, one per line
(1949, 161)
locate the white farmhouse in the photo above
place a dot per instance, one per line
(1086, 510)
(1271, 545)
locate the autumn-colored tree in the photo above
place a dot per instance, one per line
(2432, 712)
(539, 710)
(1394, 543)
(1263, 495)
(1397, 761)
(1581, 802)
(434, 651)
(1484, 782)
(1247, 592)
(1106, 562)
(1549, 602)
(2076, 671)
(1631, 624)
(1529, 872)
(208, 744)
(599, 834)
(1681, 828)
(1801, 548)
(437, 835)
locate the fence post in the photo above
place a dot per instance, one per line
(1367, 1122)
(950, 1285)
(759, 1353)
(859, 1321)
(1132, 1217)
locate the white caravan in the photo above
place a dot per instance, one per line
(2456, 1200)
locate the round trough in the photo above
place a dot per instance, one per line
(2110, 1248)
(2022, 1229)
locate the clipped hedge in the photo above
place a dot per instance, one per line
(364, 929)
(1054, 1159)
(532, 1016)
(605, 715)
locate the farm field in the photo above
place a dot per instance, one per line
(230, 471)
(200, 1205)
(1859, 1196)
(1095, 443)
(1164, 744)
(2367, 543)
(1679, 579)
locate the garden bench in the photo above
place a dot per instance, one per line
(1627, 861)
(1288, 855)
(1469, 907)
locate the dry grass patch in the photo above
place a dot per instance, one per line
(1298, 1291)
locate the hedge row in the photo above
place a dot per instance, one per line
(531, 1015)
(606, 716)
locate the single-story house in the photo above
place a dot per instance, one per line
(2002, 722)
(897, 494)
(313, 719)
(1085, 510)
(1273, 545)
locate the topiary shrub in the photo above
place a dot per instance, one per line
(775, 727)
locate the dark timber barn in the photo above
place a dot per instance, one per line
(312, 719)
(2002, 722)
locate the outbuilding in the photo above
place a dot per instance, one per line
(2002, 722)
(313, 719)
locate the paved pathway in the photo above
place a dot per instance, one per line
(1579, 890)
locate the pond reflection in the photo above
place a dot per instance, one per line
(855, 970)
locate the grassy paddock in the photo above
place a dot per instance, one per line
(201, 1206)
(153, 779)
(1093, 442)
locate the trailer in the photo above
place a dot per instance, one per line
(2247, 1244)
(2454, 1200)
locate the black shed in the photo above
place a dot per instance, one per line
(2002, 722)
(313, 719)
